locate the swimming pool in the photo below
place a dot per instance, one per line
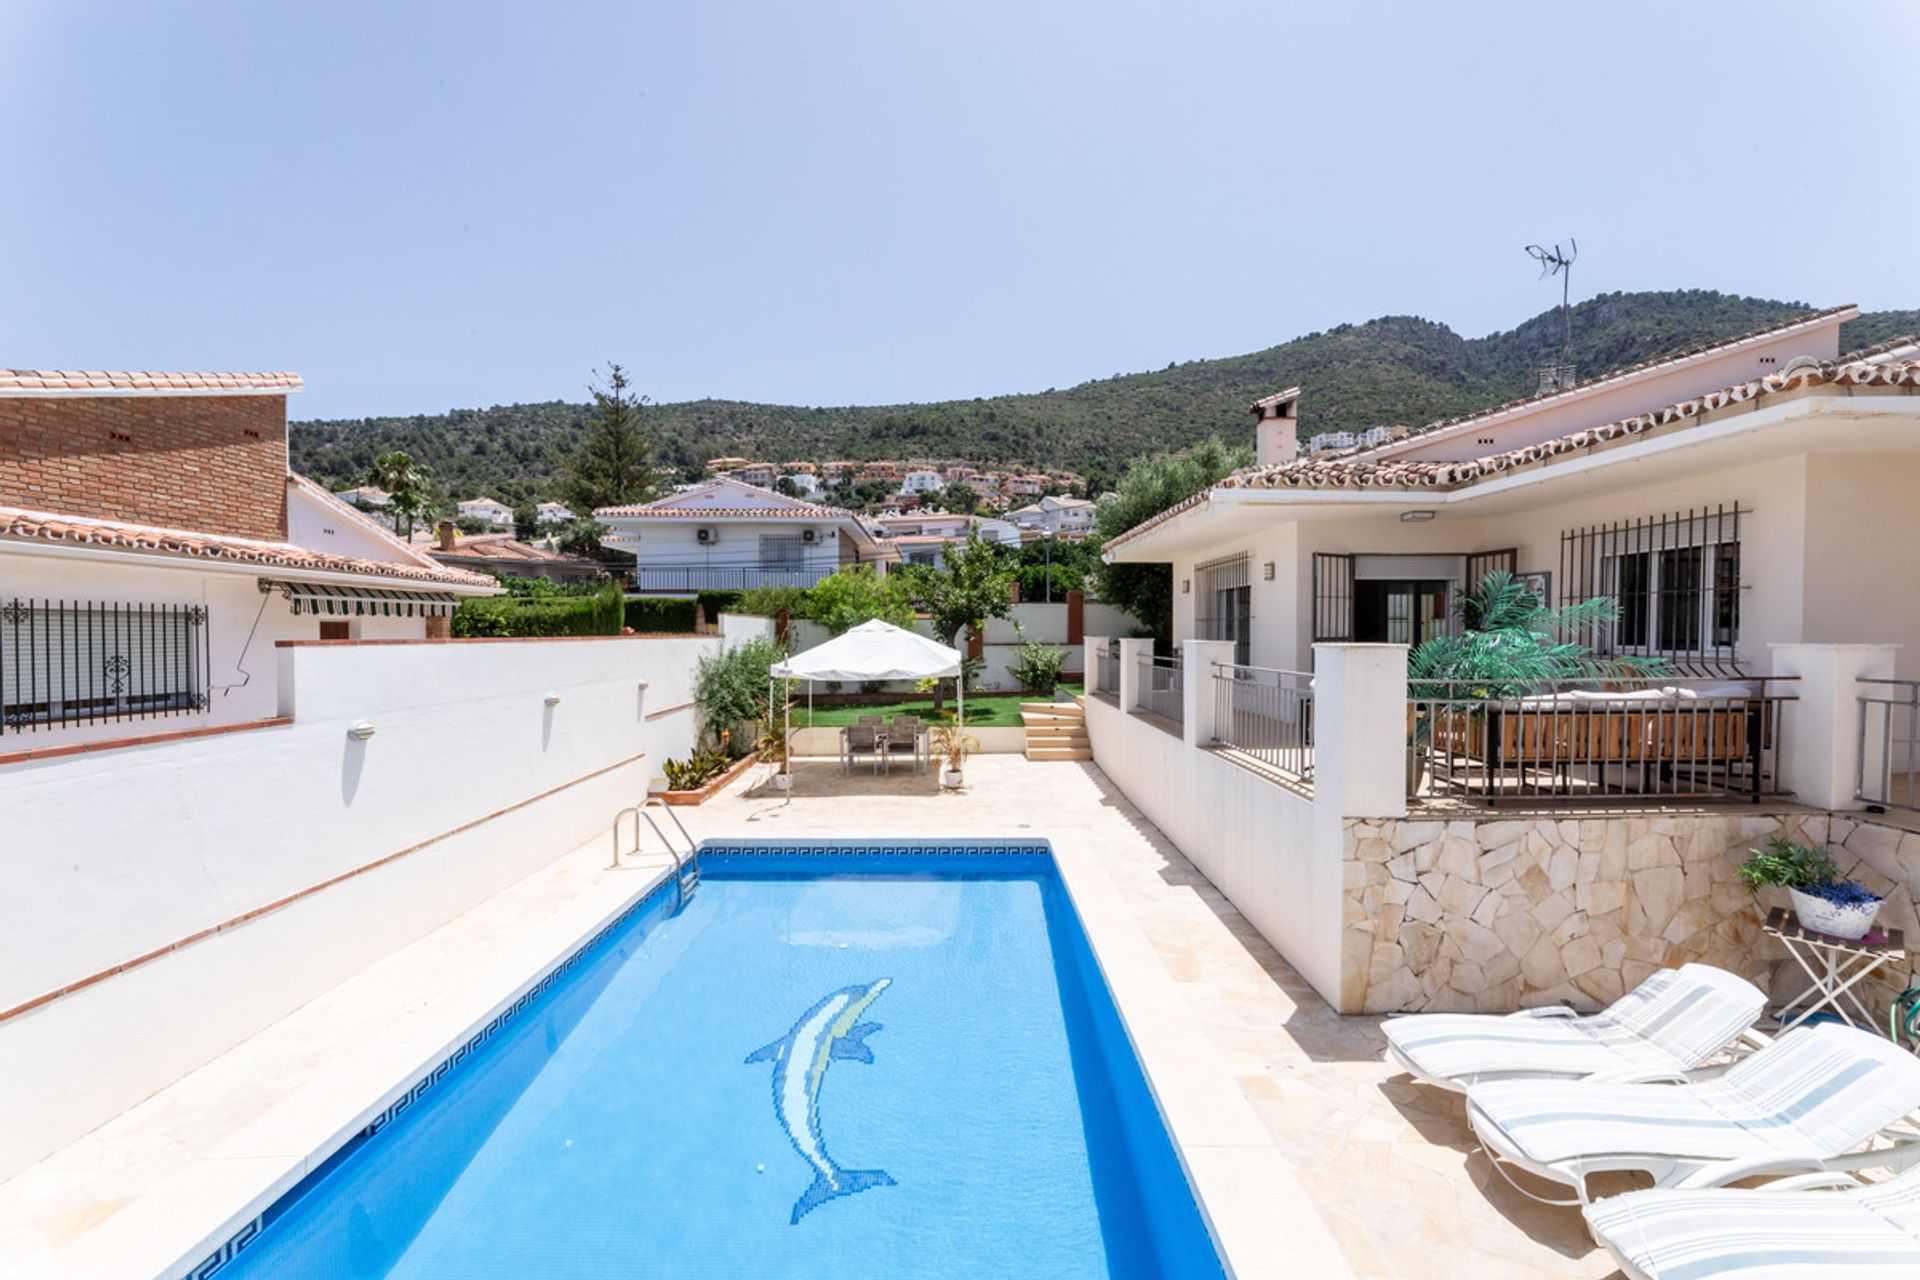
(836, 1059)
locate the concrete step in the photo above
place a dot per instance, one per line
(1041, 738)
(1039, 754)
(1070, 709)
(1043, 720)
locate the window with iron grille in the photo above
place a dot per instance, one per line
(68, 662)
(1674, 578)
(1226, 603)
(783, 551)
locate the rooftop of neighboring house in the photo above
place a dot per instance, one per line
(481, 549)
(724, 498)
(1555, 426)
(484, 502)
(113, 482)
(373, 497)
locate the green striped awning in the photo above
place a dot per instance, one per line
(364, 602)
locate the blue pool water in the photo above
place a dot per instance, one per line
(832, 1062)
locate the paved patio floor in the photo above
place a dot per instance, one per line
(1391, 1165)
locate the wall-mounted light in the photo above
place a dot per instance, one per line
(553, 699)
(1266, 571)
(1415, 517)
(1186, 585)
(360, 730)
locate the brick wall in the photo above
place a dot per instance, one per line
(215, 464)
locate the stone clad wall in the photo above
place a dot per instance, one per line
(1496, 913)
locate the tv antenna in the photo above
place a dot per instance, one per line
(1558, 261)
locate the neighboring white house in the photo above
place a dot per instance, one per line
(154, 548)
(549, 514)
(1753, 492)
(804, 483)
(920, 480)
(757, 473)
(725, 535)
(364, 496)
(1058, 516)
(491, 510)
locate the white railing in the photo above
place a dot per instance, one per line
(1889, 744)
(1266, 714)
(1162, 687)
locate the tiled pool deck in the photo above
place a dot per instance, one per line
(1312, 1155)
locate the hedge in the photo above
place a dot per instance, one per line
(648, 614)
(599, 614)
(718, 602)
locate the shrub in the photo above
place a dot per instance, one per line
(1038, 667)
(695, 771)
(649, 614)
(599, 614)
(843, 600)
(731, 686)
(771, 602)
(715, 603)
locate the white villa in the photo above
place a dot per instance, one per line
(1751, 493)
(492, 510)
(1749, 510)
(726, 535)
(365, 495)
(920, 480)
(1062, 517)
(549, 514)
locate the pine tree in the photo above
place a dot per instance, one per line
(610, 468)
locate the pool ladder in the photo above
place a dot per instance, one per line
(686, 865)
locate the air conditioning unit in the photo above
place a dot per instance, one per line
(808, 535)
(707, 535)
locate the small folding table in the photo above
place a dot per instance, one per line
(1836, 965)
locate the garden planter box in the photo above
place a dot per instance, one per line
(709, 790)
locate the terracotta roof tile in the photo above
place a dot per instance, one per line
(18, 525)
(1359, 469)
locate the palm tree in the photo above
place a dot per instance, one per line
(1510, 645)
(406, 484)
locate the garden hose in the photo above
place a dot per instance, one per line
(1908, 1026)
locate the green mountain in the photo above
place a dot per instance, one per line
(1397, 369)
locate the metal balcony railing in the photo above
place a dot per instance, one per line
(1266, 714)
(1889, 771)
(686, 579)
(1161, 687)
(1647, 738)
(1107, 669)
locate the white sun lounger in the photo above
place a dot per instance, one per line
(1807, 1102)
(1782, 1231)
(1661, 1030)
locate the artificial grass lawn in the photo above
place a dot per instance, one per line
(987, 710)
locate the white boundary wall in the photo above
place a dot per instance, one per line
(115, 854)
(1277, 853)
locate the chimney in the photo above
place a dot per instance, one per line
(1276, 431)
(446, 535)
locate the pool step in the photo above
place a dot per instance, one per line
(1056, 731)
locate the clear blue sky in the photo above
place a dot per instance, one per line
(428, 205)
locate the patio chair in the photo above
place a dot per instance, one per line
(1805, 1103)
(1667, 1026)
(903, 735)
(863, 739)
(1784, 1229)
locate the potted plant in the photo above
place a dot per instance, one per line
(953, 744)
(774, 745)
(1823, 901)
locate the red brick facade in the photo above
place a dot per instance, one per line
(216, 463)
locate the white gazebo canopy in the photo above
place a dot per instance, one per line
(873, 650)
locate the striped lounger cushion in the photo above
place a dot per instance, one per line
(1765, 1235)
(1674, 1021)
(1817, 1090)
